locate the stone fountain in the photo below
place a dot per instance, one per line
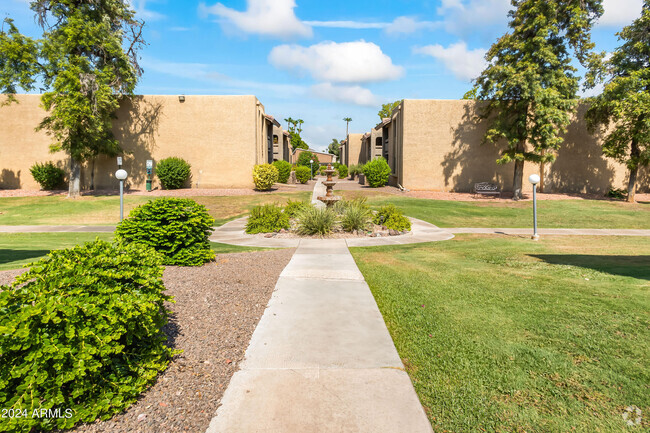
(329, 199)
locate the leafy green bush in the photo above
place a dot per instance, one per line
(284, 170)
(81, 331)
(377, 172)
(173, 172)
(343, 171)
(305, 157)
(47, 175)
(264, 176)
(392, 218)
(315, 221)
(177, 228)
(302, 174)
(267, 218)
(293, 207)
(353, 170)
(617, 193)
(356, 216)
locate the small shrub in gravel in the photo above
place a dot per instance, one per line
(343, 171)
(175, 227)
(356, 218)
(173, 172)
(377, 172)
(47, 175)
(264, 176)
(392, 218)
(81, 332)
(267, 218)
(315, 221)
(284, 170)
(302, 174)
(293, 207)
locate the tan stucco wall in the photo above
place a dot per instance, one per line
(222, 137)
(354, 149)
(442, 151)
(322, 158)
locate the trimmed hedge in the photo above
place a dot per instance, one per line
(302, 174)
(284, 170)
(173, 172)
(264, 176)
(377, 172)
(343, 171)
(80, 332)
(177, 228)
(267, 218)
(47, 175)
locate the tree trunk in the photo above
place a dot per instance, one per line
(92, 176)
(517, 182)
(74, 187)
(631, 185)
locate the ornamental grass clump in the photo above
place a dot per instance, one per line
(267, 218)
(284, 170)
(177, 228)
(356, 217)
(292, 208)
(173, 172)
(315, 221)
(264, 176)
(47, 175)
(392, 218)
(80, 332)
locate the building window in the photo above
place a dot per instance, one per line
(275, 139)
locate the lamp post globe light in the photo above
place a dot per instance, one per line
(311, 168)
(121, 175)
(534, 179)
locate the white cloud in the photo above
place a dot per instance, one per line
(407, 25)
(140, 7)
(462, 16)
(465, 64)
(348, 94)
(346, 24)
(620, 13)
(263, 17)
(346, 62)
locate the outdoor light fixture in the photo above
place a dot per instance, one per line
(181, 98)
(311, 168)
(121, 176)
(534, 179)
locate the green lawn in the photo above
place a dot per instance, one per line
(104, 210)
(18, 249)
(502, 334)
(551, 214)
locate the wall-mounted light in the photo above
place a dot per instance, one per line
(181, 98)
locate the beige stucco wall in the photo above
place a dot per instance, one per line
(222, 137)
(322, 158)
(441, 150)
(354, 149)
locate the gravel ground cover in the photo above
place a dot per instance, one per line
(217, 309)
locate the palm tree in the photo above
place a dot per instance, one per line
(347, 121)
(299, 123)
(290, 123)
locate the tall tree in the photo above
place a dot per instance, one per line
(529, 84)
(347, 121)
(291, 123)
(387, 109)
(87, 62)
(333, 148)
(299, 123)
(622, 110)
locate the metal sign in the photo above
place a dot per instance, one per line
(119, 160)
(149, 164)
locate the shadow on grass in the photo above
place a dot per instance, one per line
(627, 266)
(9, 255)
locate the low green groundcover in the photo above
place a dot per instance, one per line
(80, 335)
(177, 228)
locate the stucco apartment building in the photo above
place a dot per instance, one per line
(322, 157)
(437, 145)
(222, 137)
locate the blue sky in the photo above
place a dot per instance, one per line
(322, 61)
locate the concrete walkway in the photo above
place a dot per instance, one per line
(561, 232)
(321, 358)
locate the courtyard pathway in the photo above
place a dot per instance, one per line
(321, 358)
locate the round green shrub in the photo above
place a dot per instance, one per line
(305, 157)
(47, 175)
(81, 332)
(315, 221)
(302, 174)
(392, 218)
(264, 176)
(377, 172)
(343, 171)
(267, 218)
(177, 228)
(284, 170)
(173, 172)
